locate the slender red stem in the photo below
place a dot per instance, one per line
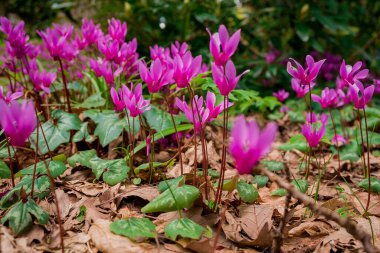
(11, 164)
(368, 162)
(35, 162)
(337, 142)
(65, 85)
(362, 138)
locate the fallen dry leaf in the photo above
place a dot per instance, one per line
(374, 208)
(311, 228)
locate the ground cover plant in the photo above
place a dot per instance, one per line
(105, 150)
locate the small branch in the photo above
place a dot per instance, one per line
(351, 227)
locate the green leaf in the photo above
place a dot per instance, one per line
(260, 180)
(247, 192)
(82, 213)
(57, 131)
(20, 216)
(297, 141)
(5, 172)
(159, 119)
(56, 168)
(146, 166)
(301, 184)
(279, 192)
(112, 171)
(303, 31)
(375, 184)
(273, 165)
(83, 134)
(172, 183)
(136, 229)
(185, 228)
(95, 100)
(173, 200)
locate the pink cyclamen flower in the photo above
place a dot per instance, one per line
(249, 144)
(214, 110)
(312, 134)
(376, 82)
(281, 95)
(308, 75)
(18, 121)
(312, 117)
(162, 53)
(42, 80)
(196, 113)
(338, 140)
(134, 101)
(300, 90)
(329, 98)
(57, 42)
(117, 99)
(225, 77)
(156, 76)
(10, 96)
(366, 94)
(222, 46)
(178, 49)
(91, 32)
(117, 30)
(186, 68)
(352, 74)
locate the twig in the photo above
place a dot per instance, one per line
(356, 231)
(278, 234)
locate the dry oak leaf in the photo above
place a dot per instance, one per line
(374, 207)
(311, 228)
(252, 227)
(338, 240)
(107, 242)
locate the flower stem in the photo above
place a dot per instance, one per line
(176, 133)
(35, 161)
(11, 164)
(363, 151)
(65, 85)
(337, 142)
(368, 162)
(191, 95)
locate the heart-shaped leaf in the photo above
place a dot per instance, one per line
(136, 229)
(185, 228)
(247, 192)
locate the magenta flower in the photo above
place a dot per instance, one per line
(352, 74)
(162, 53)
(156, 76)
(117, 99)
(312, 117)
(376, 82)
(225, 77)
(18, 121)
(338, 140)
(178, 49)
(91, 33)
(105, 69)
(42, 80)
(134, 101)
(214, 110)
(57, 42)
(198, 115)
(186, 68)
(117, 30)
(366, 94)
(10, 96)
(248, 144)
(222, 47)
(328, 99)
(308, 75)
(109, 48)
(312, 134)
(344, 99)
(281, 95)
(300, 90)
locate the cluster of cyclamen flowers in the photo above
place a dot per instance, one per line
(349, 89)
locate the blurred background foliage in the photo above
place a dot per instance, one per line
(272, 30)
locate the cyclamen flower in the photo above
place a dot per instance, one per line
(225, 77)
(109, 48)
(366, 94)
(344, 99)
(300, 90)
(10, 96)
(91, 33)
(249, 144)
(117, 30)
(312, 118)
(376, 82)
(222, 46)
(117, 99)
(281, 95)
(338, 140)
(198, 115)
(352, 74)
(178, 49)
(42, 80)
(328, 99)
(156, 76)
(105, 69)
(18, 121)
(186, 68)
(308, 75)
(312, 134)
(214, 110)
(57, 42)
(162, 53)
(134, 101)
